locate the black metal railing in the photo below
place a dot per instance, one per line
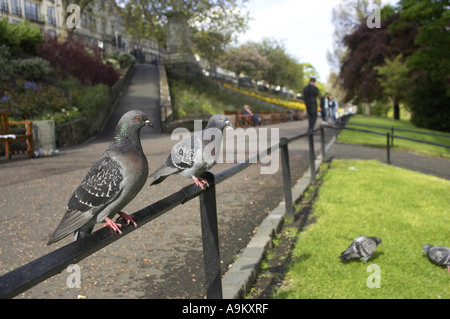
(31, 274)
(390, 135)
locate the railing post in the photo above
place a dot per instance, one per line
(388, 148)
(210, 239)
(322, 141)
(392, 136)
(286, 177)
(312, 156)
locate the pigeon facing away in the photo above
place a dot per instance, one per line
(194, 155)
(438, 254)
(362, 247)
(111, 183)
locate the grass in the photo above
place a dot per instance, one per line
(347, 136)
(405, 209)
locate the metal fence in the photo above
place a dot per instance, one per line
(35, 272)
(390, 135)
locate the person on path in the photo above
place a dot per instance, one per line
(310, 93)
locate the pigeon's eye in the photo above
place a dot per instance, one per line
(138, 118)
(221, 120)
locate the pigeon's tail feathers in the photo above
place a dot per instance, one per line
(158, 180)
(346, 255)
(162, 173)
(71, 221)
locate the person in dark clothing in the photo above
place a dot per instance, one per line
(310, 93)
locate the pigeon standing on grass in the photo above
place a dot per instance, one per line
(194, 155)
(362, 247)
(111, 183)
(438, 254)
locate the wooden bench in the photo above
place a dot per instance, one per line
(7, 137)
(240, 120)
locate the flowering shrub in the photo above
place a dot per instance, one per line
(73, 58)
(284, 103)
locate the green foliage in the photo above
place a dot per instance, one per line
(125, 59)
(6, 70)
(90, 100)
(32, 69)
(405, 209)
(22, 37)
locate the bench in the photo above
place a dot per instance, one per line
(7, 137)
(240, 120)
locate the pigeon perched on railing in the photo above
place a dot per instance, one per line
(362, 247)
(438, 254)
(194, 155)
(111, 183)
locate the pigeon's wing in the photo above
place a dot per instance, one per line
(350, 252)
(100, 187)
(365, 247)
(182, 157)
(440, 255)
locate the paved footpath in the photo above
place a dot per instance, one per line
(162, 259)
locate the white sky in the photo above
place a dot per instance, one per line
(304, 26)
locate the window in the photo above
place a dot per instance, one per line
(4, 6)
(51, 16)
(32, 11)
(15, 8)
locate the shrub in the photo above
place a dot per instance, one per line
(22, 37)
(72, 58)
(91, 100)
(6, 70)
(33, 69)
(125, 59)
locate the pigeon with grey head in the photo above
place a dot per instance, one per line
(111, 183)
(440, 255)
(362, 247)
(194, 155)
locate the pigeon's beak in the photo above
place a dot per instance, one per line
(148, 123)
(228, 123)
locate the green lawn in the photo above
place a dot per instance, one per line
(348, 136)
(405, 209)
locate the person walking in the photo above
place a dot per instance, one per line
(324, 107)
(333, 106)
(310, 93)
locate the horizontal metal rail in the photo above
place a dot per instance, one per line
(400, 129)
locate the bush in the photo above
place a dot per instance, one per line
(125, 59)
(6, 70)
(22, 37)
(91, 100)
(33, 69)
(73, 58)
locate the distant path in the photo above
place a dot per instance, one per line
(141, 94)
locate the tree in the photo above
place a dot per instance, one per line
(346, 17)
(284, 70)
(149, 18)
(246, 61)
(369, 48)
(395, 80)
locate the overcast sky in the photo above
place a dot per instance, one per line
(304, 26)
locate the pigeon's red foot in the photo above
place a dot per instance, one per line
(112, 225)
(200, 182)
(127, 218)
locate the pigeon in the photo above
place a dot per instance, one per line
(362, 247)
(111, 183)
(438, 254)
(194, 155)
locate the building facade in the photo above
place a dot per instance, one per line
(99, 25)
